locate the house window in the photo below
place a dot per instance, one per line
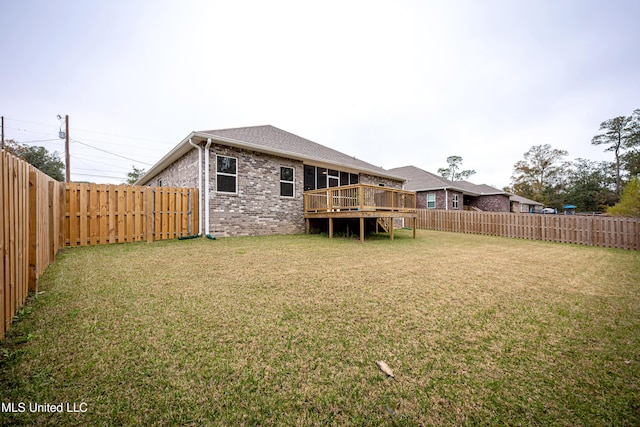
(431, 201)
(309, 177)
(287, 181)
(344, 178)
(333, 178)
(318, 177)
(455, 201)
(226, 174)
(321, 175)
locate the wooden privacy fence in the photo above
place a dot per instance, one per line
(31, 224)
(104, 213)
(39, 215)
(611, 232)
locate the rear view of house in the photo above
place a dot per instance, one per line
(252, 179)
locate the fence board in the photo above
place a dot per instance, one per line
(30, 220)
(101, 214)
(129, 215)
(4, 198)
(612, 232)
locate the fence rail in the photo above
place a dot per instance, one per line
(611, 232)
(105, 213)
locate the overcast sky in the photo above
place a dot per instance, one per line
(391, 82)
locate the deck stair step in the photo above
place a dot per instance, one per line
(384, 223)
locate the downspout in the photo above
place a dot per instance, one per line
(446, 199)
(199, 182)
(206, 188)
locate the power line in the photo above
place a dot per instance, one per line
(111, 165)
(92, 131)
(37, 140)
(121, 136)
(33, 123)
(31, 131)
(113, 154)
(99, 176)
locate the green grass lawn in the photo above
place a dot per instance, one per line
(286, 330)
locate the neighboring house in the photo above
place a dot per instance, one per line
(252, 179)
(485, 197)
(521, 204)
(436, 192)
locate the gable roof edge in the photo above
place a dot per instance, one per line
(184, 147)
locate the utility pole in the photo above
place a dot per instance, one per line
(2, 146)
(66, 148)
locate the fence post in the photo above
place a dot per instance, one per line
(33, 231)
(189, 233)
(148, 213)
(52, 221)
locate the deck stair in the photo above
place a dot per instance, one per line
(384, 223)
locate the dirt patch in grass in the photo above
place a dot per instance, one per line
(285, 330)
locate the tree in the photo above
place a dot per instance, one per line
(134, 175)
(540, 176)
(39, 157)
(590, 185)
(622, 132)
(452, 172)
(629, 204)
(631, 162)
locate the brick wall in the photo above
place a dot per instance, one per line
(257, 208)
(442, 199)
(495, 203)
(375, 180)
(181, 173)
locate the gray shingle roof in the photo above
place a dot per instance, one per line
(269, 139)
(524, 200)
(273, 138)
(480, 189)
(419, 179)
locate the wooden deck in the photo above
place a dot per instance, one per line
(361, 201)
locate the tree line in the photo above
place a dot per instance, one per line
(546, 177)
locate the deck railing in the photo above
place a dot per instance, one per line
(359, 197)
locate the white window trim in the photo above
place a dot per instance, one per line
(288, 182)
(434, 200)
(227, 174)
(455, 202)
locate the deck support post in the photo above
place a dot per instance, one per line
(307, 226)
(330, 227)
(361, 229)
(415, 223)
(391, 227)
